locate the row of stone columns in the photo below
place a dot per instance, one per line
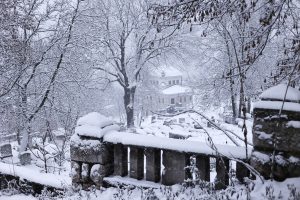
(174, 164)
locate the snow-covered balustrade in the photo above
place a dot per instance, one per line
(104, 154)
(277, 121)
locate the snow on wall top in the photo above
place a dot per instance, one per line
(94, 125)
(176, 89)
(276, 105)
(174, 144)
(277, 93)
(167, 71)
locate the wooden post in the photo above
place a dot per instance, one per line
(222, 173)
(152, 164)
(120, 160)
(136, 162)
(202, 163)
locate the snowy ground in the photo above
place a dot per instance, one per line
(287, 190)
(160, 127)
(186, 129)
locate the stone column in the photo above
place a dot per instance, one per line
(136, 162)
(241, 172)
(203, 165)
(174, 163)
(269, 128)
(152, 164)
(76, 172)
(222, 168)
(120, 160)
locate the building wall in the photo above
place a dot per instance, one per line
(163, 82)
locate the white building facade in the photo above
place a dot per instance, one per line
(167, 90)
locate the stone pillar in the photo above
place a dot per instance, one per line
(136, 162)
(98, 172)
(174, 163)
(222, 168)
(120, 160)
(265, 129)
(241, 172)
(76, 172)
(153, 164)
(203, 165)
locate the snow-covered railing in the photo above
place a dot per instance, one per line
(101, 154)
(165, 160)
(149, 141)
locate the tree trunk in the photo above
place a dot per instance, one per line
(232, 99)
(129, 105)
(242, 96)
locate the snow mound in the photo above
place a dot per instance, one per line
(94, 119)
(95, 125)
(53, 180)
(278, 92)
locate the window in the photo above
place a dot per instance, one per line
(180, 99)
(172, 101)
(177, 82)
(184, 99)
(170, 82)
(191, 97)
(162, 100)
(173, 82)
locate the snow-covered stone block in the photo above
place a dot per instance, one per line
(5, 150)
(96, 152)
(267, 125)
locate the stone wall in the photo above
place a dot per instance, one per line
(269, 128)
(91, 163)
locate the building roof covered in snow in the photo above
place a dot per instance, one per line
(166, 71)
(277, 93)
(176, 89)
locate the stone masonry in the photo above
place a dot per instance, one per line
(269, 128)
(90, 164)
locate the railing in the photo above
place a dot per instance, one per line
(164, 160)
